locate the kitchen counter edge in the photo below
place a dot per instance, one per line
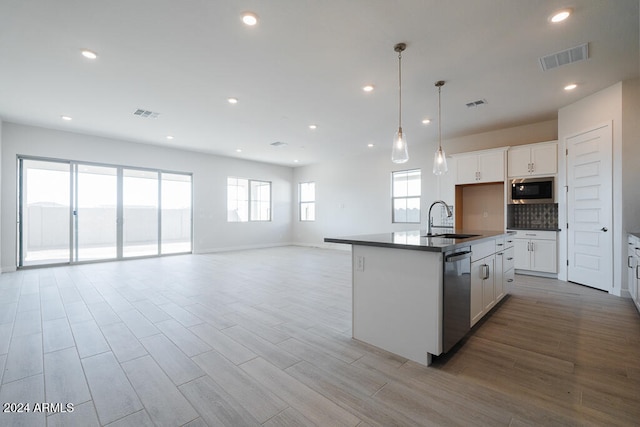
(428, 244)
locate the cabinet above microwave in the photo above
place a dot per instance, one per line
(538, 159)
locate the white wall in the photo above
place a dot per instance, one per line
(597, 109)
(212, 232)
(354, 194)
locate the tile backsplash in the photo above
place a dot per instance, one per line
(533, 216)
(446, 221)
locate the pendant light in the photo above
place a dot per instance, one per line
(439, 159)
(399, 152)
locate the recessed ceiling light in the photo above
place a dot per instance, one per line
(560, 15)
(313, 127)
(295, 161)
(232, 100)
(426, 121)
(89, 54)
(67, 118)
(249, 18)
(169, 136)
(238, 150)
(370, 145)
(368, 88)
(571, 86)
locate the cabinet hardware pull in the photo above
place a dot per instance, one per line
(499, 244)
(486, 274)
(533, 247)
(509, 280)
(510, 258)
(529, 246)
(629, 261)
(637, 271)
(500, 253)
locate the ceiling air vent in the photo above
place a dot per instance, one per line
(477, 103)
(145, 113)
(278, 144)
(568, 56)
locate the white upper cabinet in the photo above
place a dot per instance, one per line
(480, 166)
(533, 159)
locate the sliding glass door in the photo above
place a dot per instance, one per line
(44, 212)
(96, 212)
(75, 212)
(175, 199)
(140, 213)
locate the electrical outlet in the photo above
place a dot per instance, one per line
(359, 263)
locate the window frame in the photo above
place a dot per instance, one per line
(250, 200)
(253, 199)
(407, 197)
(310, 202)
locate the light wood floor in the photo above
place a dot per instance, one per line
(263, 337)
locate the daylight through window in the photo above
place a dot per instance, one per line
(406, 191)
(307, 201)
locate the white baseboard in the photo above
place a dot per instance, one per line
(240, 248)
(322, 245)
(325, 245)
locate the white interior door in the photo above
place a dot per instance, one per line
(589, 208)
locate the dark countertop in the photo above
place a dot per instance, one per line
(415, 240)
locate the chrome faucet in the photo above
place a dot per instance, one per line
(449, 214)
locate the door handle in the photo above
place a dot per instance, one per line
(605, 229)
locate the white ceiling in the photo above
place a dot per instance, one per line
(304, 63)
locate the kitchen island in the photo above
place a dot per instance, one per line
(398, 294)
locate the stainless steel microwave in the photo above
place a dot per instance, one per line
(531, 190)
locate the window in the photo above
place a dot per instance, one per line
(248, 200)
(237, 200)
(406, 190)
(260, 197)
(307, 201)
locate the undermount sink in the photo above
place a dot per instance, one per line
(453, 235)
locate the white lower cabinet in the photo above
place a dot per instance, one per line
(491, 271)
(633, 264)
(535, 251)
(481, 287)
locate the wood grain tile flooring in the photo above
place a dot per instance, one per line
(263, 337)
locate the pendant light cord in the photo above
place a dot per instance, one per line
(400, 89)
(439, 120)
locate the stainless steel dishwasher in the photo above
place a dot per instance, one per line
(456, 296)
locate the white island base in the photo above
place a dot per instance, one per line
(397, 300)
